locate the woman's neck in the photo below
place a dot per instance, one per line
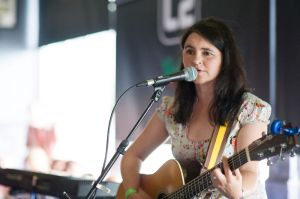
(205, 95)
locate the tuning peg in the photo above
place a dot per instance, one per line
(276, 126)
(293, 153)
(270, 162)
(273, 160)
(280, 126)
(281, 156)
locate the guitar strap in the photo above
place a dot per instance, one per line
(216, 146)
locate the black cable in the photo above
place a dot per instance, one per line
(109, 123)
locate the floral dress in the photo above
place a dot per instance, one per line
(192, 154)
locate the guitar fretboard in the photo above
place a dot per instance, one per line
(203, 182)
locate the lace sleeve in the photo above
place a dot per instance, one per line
(254, 110)
(165, 108)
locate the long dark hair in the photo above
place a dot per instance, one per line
(230, 83)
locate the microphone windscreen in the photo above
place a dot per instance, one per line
(191, 73)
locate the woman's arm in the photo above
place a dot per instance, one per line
(153, 135)
(248, 134)
(243, 180)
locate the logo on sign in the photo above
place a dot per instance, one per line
(174, 16)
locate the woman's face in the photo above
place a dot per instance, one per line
(204, 56)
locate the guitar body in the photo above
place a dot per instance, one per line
(167, 179)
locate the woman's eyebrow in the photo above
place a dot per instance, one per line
(188, 46)
(207, 49)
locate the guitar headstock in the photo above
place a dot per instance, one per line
(272, 145)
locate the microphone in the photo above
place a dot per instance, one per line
(188, 74)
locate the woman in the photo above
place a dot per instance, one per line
(217, 96)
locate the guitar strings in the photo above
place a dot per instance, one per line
(204, 181)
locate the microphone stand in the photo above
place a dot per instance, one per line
(121, 148)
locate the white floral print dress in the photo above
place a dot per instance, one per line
(186, 151)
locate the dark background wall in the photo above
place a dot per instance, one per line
(288, 61)
(287, 88)
(64, 19)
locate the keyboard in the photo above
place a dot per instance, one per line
(53, 185)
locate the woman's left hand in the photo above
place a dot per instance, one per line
(229, 183)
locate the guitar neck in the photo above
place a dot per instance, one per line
(203, 182)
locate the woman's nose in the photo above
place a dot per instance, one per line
(197, 60)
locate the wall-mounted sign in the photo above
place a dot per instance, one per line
(174, 16)
(8, 14)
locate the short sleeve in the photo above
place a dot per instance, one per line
(254, 110)
(165, 109)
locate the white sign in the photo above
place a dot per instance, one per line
(174, 16)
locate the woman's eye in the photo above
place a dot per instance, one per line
(189, 51)
(207, 53)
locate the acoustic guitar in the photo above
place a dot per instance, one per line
(168, 181)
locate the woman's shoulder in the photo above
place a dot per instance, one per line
(167, 102)
(165, 108)
(250, 98)
(168, 99)
(254, 109)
